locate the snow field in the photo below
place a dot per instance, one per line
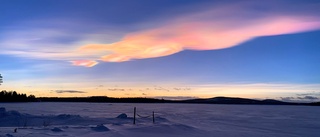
(171, 120)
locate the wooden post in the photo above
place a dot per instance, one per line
(134, 115)
(153, 117)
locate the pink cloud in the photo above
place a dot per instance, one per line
(213, 29)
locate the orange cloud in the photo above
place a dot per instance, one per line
(209, 30)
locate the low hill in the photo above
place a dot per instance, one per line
(231, 100)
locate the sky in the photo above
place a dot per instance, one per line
(177, 49)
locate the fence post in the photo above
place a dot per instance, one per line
(153, 117)
(134, 115)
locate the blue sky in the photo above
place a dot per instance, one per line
(162, 48)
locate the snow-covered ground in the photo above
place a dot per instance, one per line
(171, 120)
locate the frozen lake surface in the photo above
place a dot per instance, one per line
(190, 120)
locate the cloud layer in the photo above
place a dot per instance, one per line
(216, 28)
(211, 26)
(69, 91)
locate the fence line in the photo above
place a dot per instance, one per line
(140, 116)
(143, 116)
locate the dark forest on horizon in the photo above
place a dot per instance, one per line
(13, 96)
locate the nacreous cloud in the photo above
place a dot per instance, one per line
(219, 27)
(85, 63)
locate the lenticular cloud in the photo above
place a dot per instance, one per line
(216, 28)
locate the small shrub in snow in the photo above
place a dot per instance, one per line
(100, 128)
(122, 116)
(56, 129)
(67, 116)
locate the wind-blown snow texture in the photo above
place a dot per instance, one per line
(188, 120)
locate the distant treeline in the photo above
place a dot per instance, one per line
(13, 96)
(315, 104)
(102, 99)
